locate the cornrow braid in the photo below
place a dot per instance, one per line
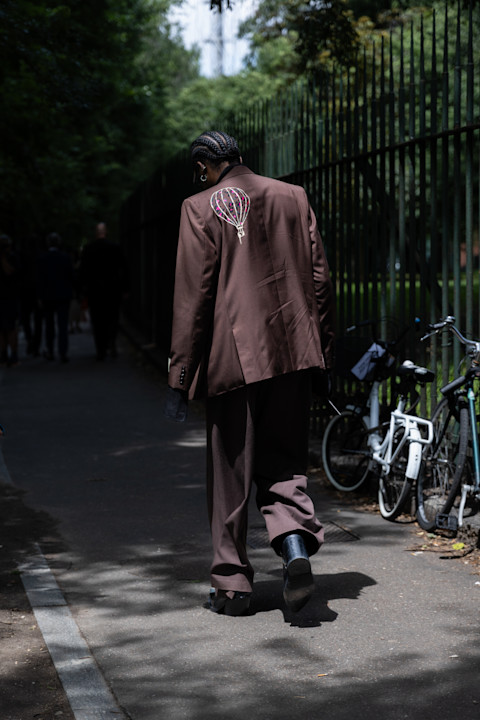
(214, 146)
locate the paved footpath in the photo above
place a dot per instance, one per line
(119, 585)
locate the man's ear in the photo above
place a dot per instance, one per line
(197, 171)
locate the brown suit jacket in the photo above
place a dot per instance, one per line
(251, 310)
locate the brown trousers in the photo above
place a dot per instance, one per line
(258, 434)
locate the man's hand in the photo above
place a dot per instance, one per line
(176, 405)
(321, 383)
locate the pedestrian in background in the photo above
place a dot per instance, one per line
(9, 302)
(55, 291)
(104, 281)
(76, 315)
(253, 315)
(31, 314)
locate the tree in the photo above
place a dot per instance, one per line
(317, 30)
(323, 34)
(83, 96)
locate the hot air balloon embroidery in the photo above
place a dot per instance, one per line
(232, 205)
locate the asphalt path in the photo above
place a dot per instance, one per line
(390, 633)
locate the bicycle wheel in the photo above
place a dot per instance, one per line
(394, 488)
(345, 453)
(443, 464)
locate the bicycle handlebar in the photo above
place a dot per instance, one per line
(472, 346)
(363, 323)
(389, 344)
(436, 327)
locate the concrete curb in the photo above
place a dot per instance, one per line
(88, 694)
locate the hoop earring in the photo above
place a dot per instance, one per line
(203, 178)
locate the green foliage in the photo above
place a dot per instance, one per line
(212, 102)
(317, 31)
(368, 8)
(83, 103)
(277, 59)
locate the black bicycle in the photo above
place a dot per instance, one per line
(453, 458)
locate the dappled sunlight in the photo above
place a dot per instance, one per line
(359, 638)
(193, 438)
(188, 662)
(191, 486)
(367, 640)
(133, 449)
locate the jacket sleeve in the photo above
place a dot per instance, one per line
(324, 292)
(194, 297)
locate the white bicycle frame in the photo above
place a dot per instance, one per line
(382, 449)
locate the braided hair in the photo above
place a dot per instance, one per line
(216, 147)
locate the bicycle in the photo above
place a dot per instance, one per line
(356, 443)
(448, 462)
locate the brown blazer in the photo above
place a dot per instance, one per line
(251, 310)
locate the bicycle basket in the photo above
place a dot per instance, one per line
(361, 359)
(348, 351)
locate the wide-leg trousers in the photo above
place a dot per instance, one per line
(258, 434)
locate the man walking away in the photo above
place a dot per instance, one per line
(253, 316)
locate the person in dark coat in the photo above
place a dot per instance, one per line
(31, 315)
(55, 291)
(253, 314)
(104, 280)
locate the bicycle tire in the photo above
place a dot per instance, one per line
(345, 453)
(394, 488)
(443, 464)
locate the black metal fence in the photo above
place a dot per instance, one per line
(389, 153)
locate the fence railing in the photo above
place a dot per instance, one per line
(389, 153)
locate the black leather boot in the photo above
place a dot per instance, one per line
(297, 573)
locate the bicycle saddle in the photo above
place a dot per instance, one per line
(408, 369)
